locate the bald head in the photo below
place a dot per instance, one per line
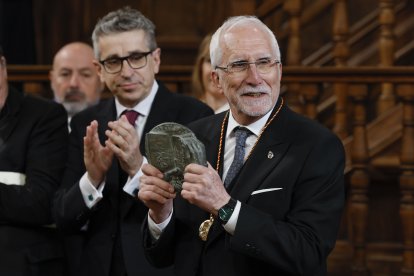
(74, 79)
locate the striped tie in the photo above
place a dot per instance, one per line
(241, 134)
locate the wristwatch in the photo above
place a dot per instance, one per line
(225, 212)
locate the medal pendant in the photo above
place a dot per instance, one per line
(204, 228)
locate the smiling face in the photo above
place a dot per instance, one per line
(129, 85)
(250, 94)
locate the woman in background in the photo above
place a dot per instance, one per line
(202, 86)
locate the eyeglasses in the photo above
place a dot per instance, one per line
(114, 65)
(263, 66)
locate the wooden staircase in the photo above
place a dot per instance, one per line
(373, 120)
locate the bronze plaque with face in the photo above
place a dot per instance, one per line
(170, 147)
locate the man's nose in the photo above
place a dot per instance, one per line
(126, 70)
(74, 80)
(253, 76)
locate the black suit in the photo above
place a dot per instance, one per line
(103, 228)
(287, 231)
(33, 142)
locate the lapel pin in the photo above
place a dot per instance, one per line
(270, 154)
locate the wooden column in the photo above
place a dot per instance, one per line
(310, 93)
(386, 52)
(359, 181)
(340, 54)
(293, 8)
(406, 93)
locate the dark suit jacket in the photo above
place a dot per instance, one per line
(71, 213)
(286, 231)
(33, 141)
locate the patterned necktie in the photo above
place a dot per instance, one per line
(241, 134)
(131, 115)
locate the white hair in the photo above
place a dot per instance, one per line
(216, 53)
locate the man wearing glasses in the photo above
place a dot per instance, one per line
(270, 201)
(99, 189)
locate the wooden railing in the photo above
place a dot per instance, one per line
(34, 79)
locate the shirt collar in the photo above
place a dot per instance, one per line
(143, 107)
(255, 127)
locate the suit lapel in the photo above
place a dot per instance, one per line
(266, 156)
(250, 177)
(211, 142)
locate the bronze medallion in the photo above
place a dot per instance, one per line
(170, 147)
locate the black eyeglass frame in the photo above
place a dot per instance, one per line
(121, 59)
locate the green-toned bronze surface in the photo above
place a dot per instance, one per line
(170, 147)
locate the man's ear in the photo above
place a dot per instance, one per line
(98, 69)
(156, 54)
(215, 78)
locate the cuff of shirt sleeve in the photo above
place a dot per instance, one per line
(156, 229)
(90, 194)
(230, 226)
(132, 185)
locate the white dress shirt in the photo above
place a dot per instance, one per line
(90, 194)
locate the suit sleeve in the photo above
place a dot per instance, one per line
(44, 161)
(300, 243)
(69, 209)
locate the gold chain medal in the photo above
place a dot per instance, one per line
(205, 228)
(206, 225)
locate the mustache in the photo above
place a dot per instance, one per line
(74, 93)
(254, 89)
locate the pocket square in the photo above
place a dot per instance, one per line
(266, 190)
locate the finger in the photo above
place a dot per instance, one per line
(90, 131)
(115, 139)
(115, 136)
(195, 168)
(189, 187)
(155, 184)
(149, 197)
(122, 128)
(149, 169)
(189, 195)
(193, 178)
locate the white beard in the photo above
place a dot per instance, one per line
(74, 107)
